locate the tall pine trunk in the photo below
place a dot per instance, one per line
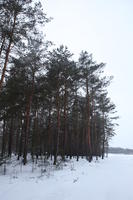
(3, 138)
(89, 149)
(27, 121)
(10, 140)
(58, 127)
(7, 53)
(65, 124)
(103, 139)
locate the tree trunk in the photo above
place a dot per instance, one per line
(88, 121)
(17, 135)
(7, 53)
(27, 121)
(58, 127)
(3, 138)
(65, 124)
(10, 138)
(49, 140)
(103, 140)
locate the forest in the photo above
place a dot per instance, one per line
(50, 104)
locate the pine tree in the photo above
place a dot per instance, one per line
(18, 19)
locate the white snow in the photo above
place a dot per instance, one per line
(109, 179)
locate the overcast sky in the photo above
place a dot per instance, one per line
(104, 28)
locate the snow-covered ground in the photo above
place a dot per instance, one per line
(109, 179)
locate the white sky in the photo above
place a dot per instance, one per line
(104, 28)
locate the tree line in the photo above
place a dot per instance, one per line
(50, 105)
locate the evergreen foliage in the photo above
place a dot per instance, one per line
(50, 105)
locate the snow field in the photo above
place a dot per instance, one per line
(109, 179)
